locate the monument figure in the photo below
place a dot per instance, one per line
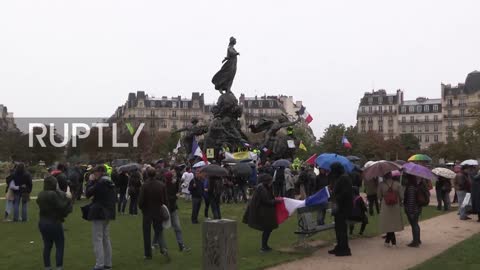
(190, 133)
(223, 79)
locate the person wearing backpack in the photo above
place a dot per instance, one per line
(414, 191)
(391, 196)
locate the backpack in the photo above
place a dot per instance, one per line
(391, 197)
(423, 195)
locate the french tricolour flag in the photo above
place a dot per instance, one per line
(197, 151)
(346, 143)
(305, 115)
(288, 206)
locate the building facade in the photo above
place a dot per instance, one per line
(422, 117)
(163, 114)
(459, 103)
(166, 114)
(7, 122)
(378, 112)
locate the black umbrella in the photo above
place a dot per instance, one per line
(242, 170)
(282, 163)
(129, 167)
(214, 170)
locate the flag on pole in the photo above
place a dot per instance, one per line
(318, 198)
(197, 151)
(130, 128)
(177, 147)
(302, 146)
(346, 143)
(266, 150)
(286, 208)
(305, 115)
(311, 160)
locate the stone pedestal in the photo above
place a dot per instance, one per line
(220, 244)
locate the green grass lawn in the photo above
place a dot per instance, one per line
(22, 245)
(462, 256)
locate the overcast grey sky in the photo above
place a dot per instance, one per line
(82, 58)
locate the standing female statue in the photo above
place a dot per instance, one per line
(224, 78)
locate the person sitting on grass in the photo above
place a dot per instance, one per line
(54, 208)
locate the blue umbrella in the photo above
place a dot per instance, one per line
(324, 161)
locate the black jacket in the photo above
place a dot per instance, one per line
(342, 191)
(172, 190)
(122, 183)
(24, 181)
(62, 181)
(196, 188)
(54, 204)
(260, 214)
(153, 195)
(104, 199)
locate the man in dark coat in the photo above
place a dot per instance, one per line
(476, 195)
(196, 190)
(102, 210)
(343, 198)
(61, 176)
(122, 184)
(23, 184)
(153, 195)
(260, 214)
(172, 190)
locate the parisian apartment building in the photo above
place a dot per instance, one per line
(172, 113)
(431, 120)
(7, 122)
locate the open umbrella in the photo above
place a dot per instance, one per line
(214, 170)
(282, 163)
(400, 162)
(242, 170)
(353, 158)
(324, 161)
(444, 172)
(380, 169)
(469, 162)
(418, 170)
(419, 157)
(200, 164)
(129, 167)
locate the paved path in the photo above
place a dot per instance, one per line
(438, 234)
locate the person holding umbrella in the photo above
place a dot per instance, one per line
(462, 184)
(443, 187)
(413, 209)
(391, 197)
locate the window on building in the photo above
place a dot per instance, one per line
(462, 122)
(370, 100)
(185, 104)
(435, 138)
(404, 128)
(363, 128)
(435, 118)
(427, 128)
(370, 127)
(419, 109)
(411, 109)
(174, 124)
(404, 119)
(426, 108)
(380, 118)
(370, 109)
(412, 128)
(419, 138)
(380, 128)
(450, 102)
(380, 100)
(185, 113)
(174, 113)
(450, 123)
(403, 109)
(419, 128)
(426, 118)
(152, 103)
(174, 104)
(162, 124)
(449, 113)
(380, 109)
(363, 109)
(152, 113)
(141, 113)
(435, 127)
(370, 119)
(435, 108)
(390, 108)
(427, 138)
(412, 119)
(260, 103)
(390, 99)
(270, 103)
(462, 112)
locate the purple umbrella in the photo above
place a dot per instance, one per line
(419, 170)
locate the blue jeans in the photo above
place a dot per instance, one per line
(16, 207)
(122, 202)
(52, 233)
(413, 220)
(215, 204)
